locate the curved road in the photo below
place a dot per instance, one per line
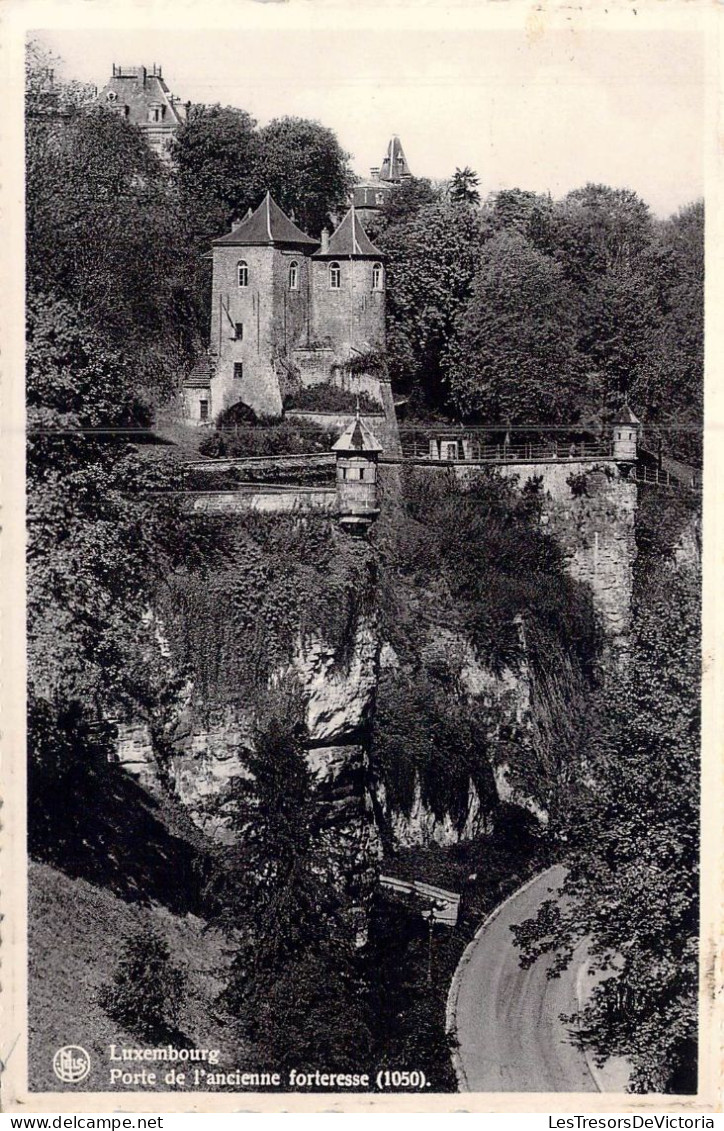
(508, 1023)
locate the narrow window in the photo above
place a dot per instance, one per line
(335, 276)
(242, 271)
(238, 370)
(203, 410)
(294, 275)
(377, 277)
(238, 331)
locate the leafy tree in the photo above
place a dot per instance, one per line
(102, 232)
(464, 187)
(632, 882)
(529, 213)
(672, 387)
(145, 993)
(216, 154)
(513, 355)
(303, 166)
(46, 93)
(619, 335)
(431, 261)
(598, 229)
(406, 199)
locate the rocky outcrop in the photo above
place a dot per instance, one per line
(508, 694)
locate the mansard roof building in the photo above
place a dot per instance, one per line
(141, 97)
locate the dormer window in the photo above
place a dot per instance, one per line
(335, 277)
(294, 276)
(242, 273)
(378, 277)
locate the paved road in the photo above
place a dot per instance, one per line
(511, 1038)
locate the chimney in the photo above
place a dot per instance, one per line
(375, 172)
(325, 241)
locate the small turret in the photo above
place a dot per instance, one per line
(357, 451)
(626, 428)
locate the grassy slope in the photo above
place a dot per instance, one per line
(76, 933)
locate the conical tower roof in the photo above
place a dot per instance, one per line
(394, 167)
(349, 240)
(625, 415)
(357, 437)
(267, 226)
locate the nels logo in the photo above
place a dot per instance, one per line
(71, 1064)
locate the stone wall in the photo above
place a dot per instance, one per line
(274, 499)
(352, 317)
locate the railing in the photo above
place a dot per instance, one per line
(471, 449)
(442, 905)
(658, 477)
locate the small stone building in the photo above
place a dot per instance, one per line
(288, 311)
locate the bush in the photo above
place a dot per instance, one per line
(147, 988)
(578, 484)
(330, 398)
(265, 439)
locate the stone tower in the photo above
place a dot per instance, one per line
(348, 291)
(369, 196)
(259, 305)
(626, 428)
(287, 313)
(357, 451)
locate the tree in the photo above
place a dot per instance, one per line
(463, 187)
(513, 355)
(406, 199)
(529, 213)
(598, 229)
(431, 261)
(303, 166)
(632, 882)
(102, 232)
(294, 986)
(216, 154)
(47, 95)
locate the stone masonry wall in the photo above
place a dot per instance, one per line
(351, 318)
(251, 305)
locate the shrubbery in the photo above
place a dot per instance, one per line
(146, 991)
(330, 398)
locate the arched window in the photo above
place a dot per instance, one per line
(377, 277)
(335, 276)
(242, 272)
(294, 275)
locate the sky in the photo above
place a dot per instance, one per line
(545, 110)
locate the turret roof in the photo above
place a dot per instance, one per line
(266, 226)
(626, 416)
(357, 437)
(394, 167)
(350, 239)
